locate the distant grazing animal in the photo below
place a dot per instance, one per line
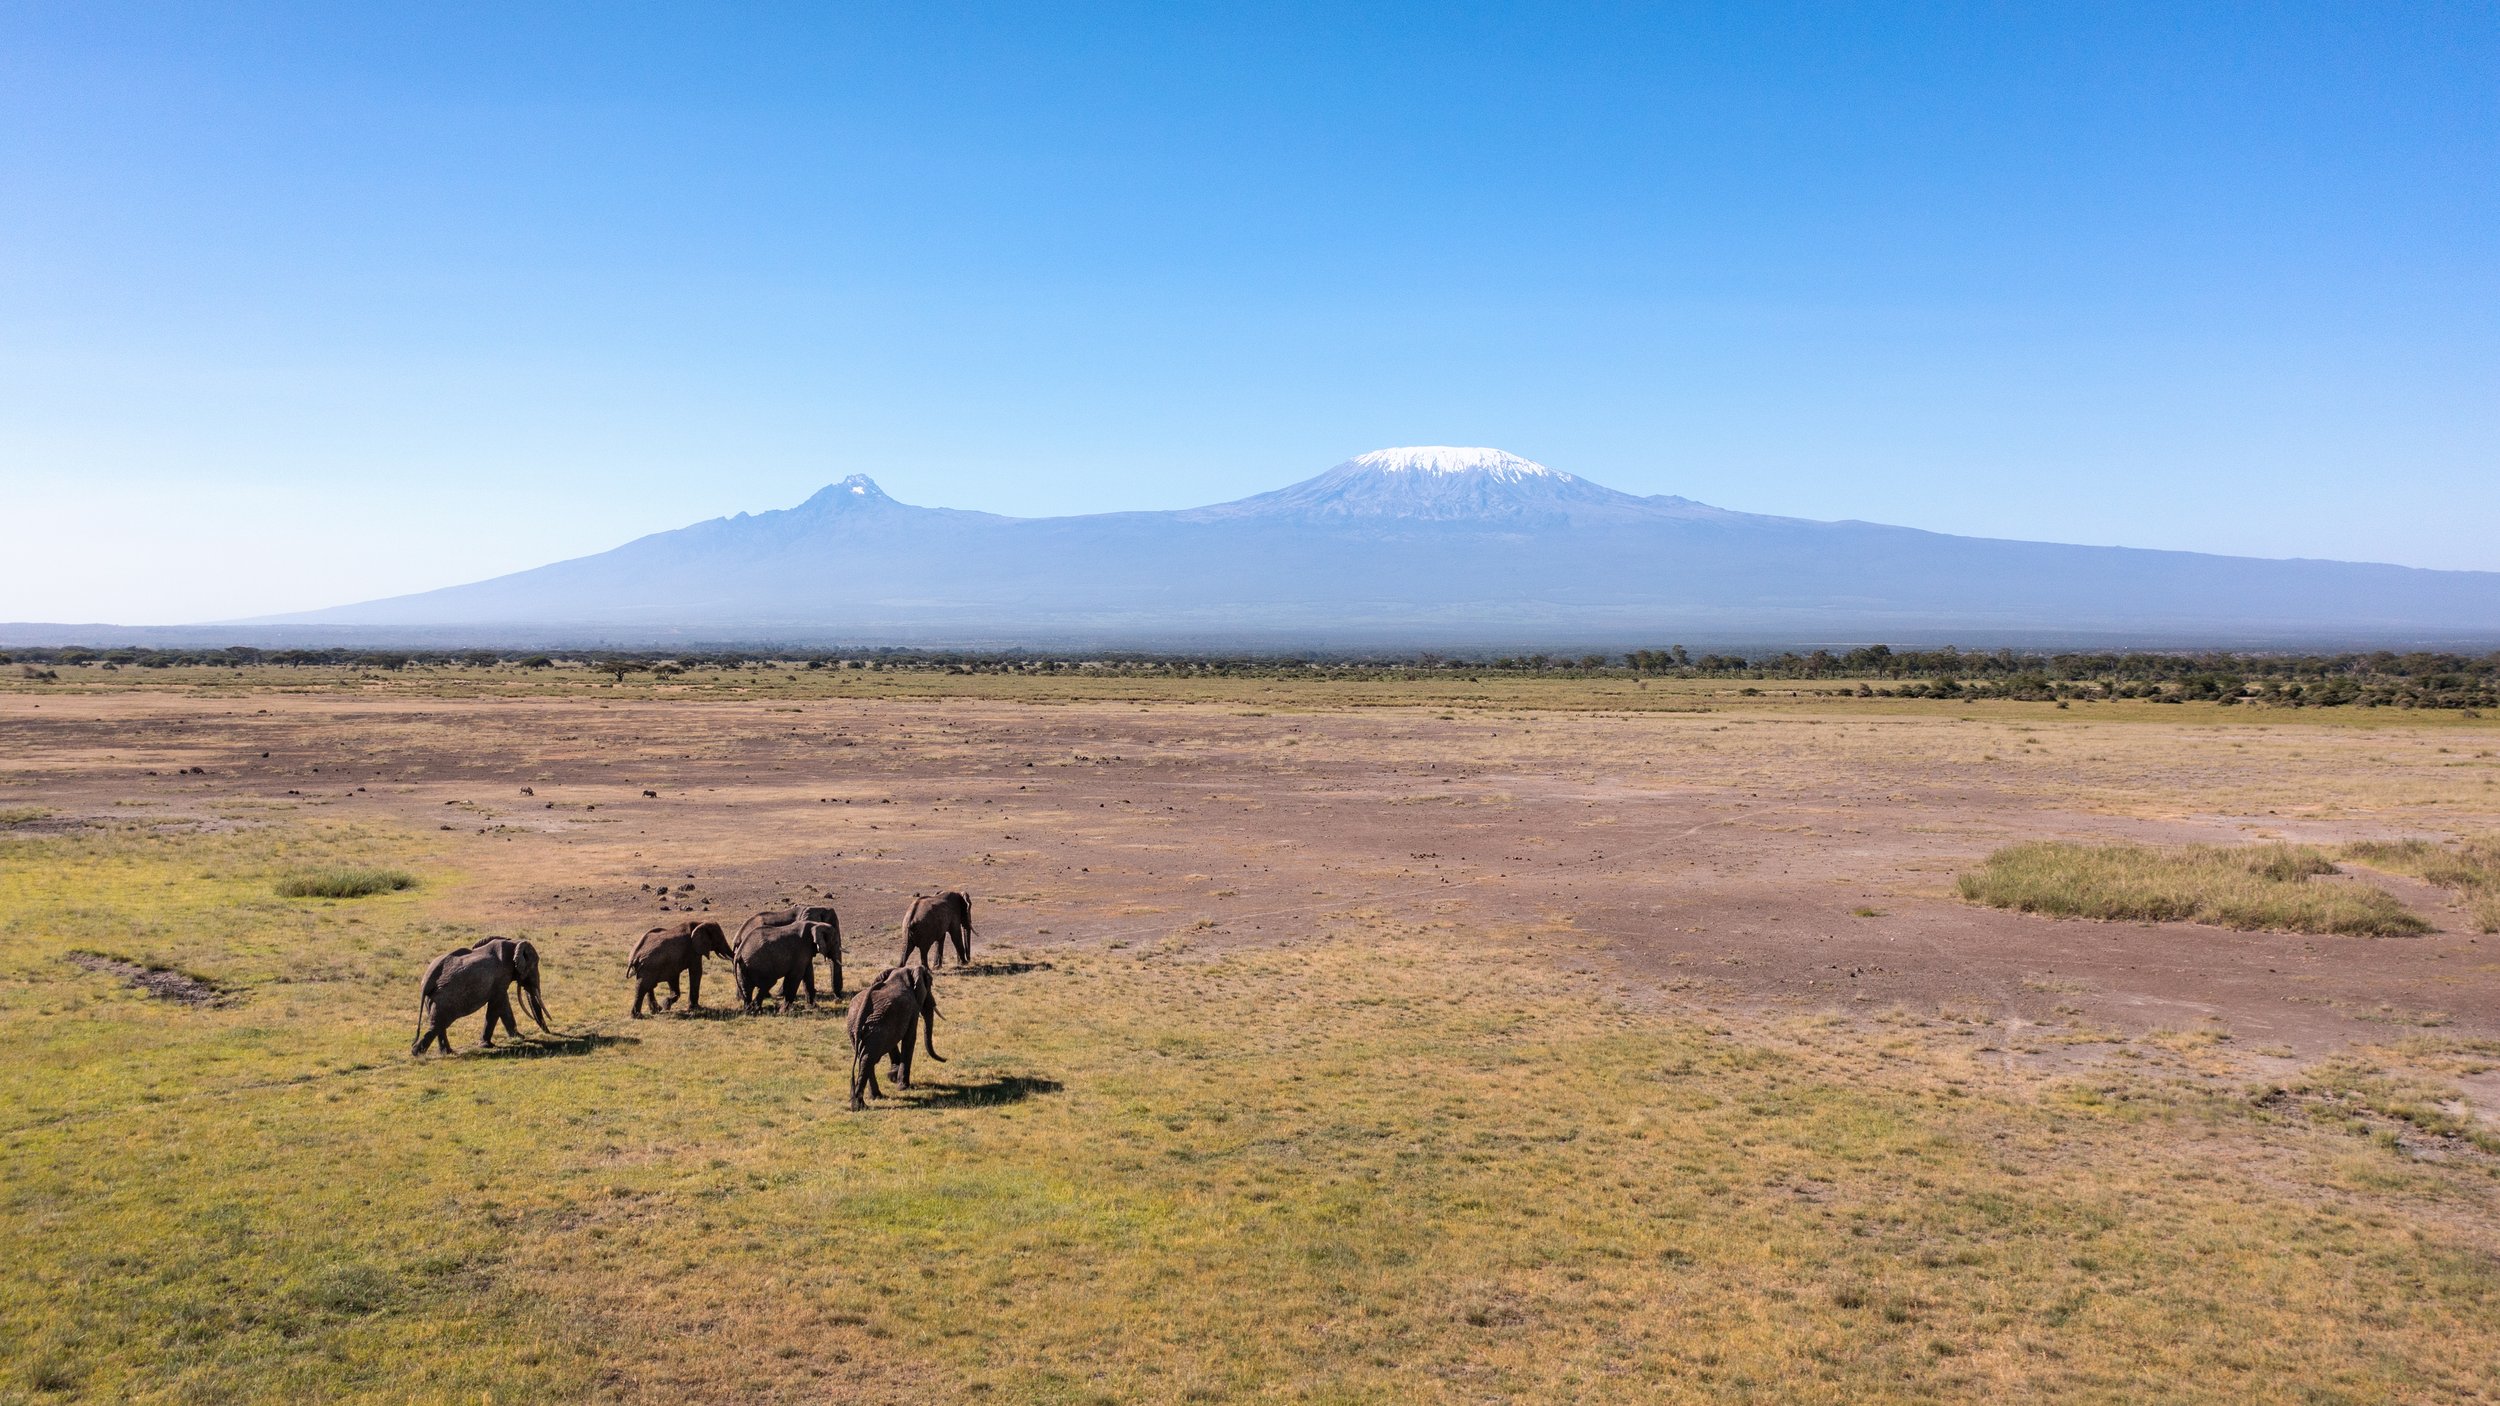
(783, 947)
(666, 952)
(466, 978)
(933, 921)
(881, 1022)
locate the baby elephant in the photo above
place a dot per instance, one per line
(666, 952)
(881, 1022)
(466, 978)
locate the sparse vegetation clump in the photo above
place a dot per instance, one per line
(344, 882)
(2471, 867)
(2260, 888)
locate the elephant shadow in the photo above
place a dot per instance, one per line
(831, 1008)
(552, 1046)
(997, 969)
(981, 1093)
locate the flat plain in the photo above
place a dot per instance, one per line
(1433, 1039)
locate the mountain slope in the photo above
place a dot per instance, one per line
(1420, 545)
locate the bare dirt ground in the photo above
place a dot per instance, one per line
(1779, 860)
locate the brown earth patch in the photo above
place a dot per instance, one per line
(161, 982)
(1713, 860)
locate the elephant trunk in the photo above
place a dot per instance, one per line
(928, 1032)
(537, 1005)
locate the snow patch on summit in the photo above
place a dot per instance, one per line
(1452, 459)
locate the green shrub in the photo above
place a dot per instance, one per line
(343, 883)
(2263, 887)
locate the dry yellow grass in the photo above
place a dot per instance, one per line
(2256, 887)
(1379, 1162)
(2471, 866)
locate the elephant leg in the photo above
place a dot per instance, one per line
(807, 979)
(642, 997)
(673, 992)
(500, 1008)
(694, 988)
(902, 1063)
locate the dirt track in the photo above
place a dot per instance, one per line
(1707, 859)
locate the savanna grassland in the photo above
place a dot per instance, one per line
(1325, 1041)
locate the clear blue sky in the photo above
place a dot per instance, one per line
(301, 305)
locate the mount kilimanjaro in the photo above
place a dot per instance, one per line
(1417, 546)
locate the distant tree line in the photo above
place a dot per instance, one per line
(2381, 678)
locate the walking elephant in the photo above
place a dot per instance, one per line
(665, 953)
(467, 978)
(933, 922)
(783, 947)
(881, 1023)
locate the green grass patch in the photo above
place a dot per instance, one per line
(344, 883)
(2471, 867)
(2256, 888)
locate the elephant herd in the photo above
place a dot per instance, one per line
(776, 948)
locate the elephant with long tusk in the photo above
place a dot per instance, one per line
(467, 978)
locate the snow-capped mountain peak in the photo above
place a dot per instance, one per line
(1449, 459)
(1441, 483)
(856, 491)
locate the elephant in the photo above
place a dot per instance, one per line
(881, 1022)
(933, 921)
(666, 952)
(783, 946)
(466, 978)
